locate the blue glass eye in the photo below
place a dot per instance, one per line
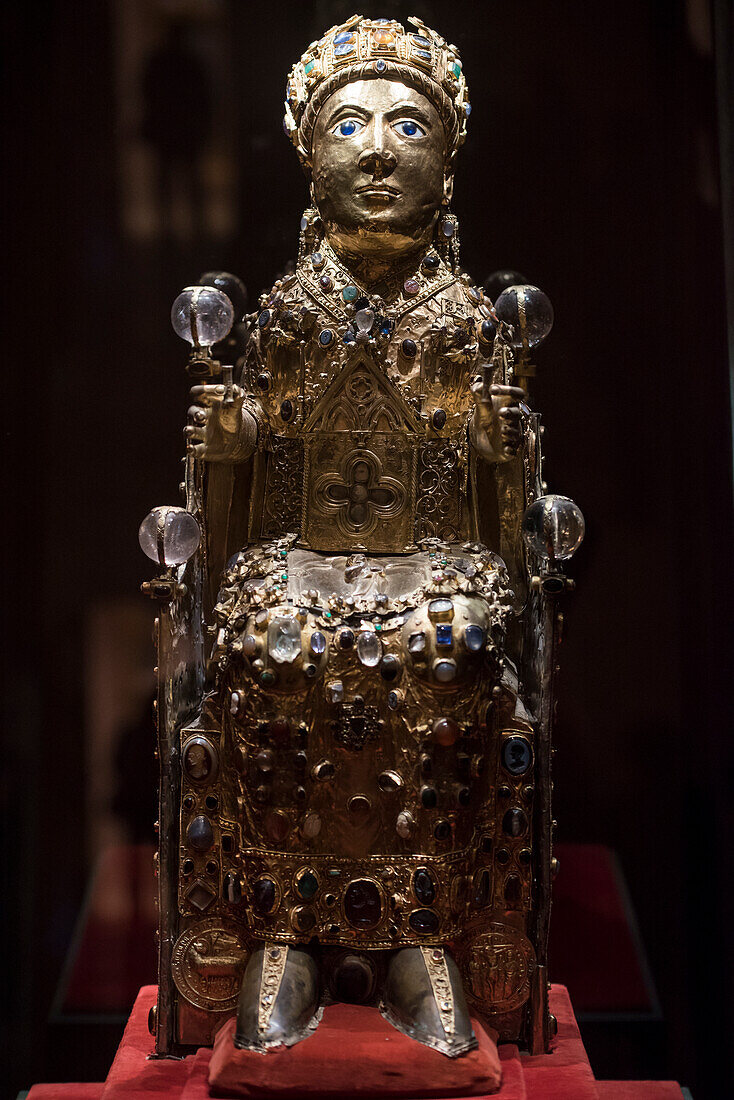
(348, 127)
(408, 128)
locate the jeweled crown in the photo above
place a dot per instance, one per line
(363, 48)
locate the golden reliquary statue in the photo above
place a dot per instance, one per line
(358, 604)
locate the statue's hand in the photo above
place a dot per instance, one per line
(214, 426)
(497, 425)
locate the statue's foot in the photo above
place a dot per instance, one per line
(424, 998)
(279, 998)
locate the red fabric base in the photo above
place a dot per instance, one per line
(564, 1074)
(353, 1052)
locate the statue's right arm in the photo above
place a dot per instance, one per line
(223, 427)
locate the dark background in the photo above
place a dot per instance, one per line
(592, 166)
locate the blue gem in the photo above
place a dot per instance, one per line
(325, 337)
(473, 637)
(348, 337)
(318, 642)
(421, 40)
(467, 109)
(444, 634)
(423, 54)
(380, 65)
(385, 328)
(264, 318)
(317, 259)
(343, 36)
(344, 50)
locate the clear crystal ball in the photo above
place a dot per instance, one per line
(529, 311)
(202, 315)
(169, 535)
(553, 528)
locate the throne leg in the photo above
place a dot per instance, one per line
(279, 998)
(424, 999)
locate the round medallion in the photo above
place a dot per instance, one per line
(497, 967)
(207, 965)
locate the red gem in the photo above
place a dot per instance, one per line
(410, 287)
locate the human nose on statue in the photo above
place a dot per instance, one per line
(376, 160)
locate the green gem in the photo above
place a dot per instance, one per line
(350, 293)
(267, 677)
(284, 553)
(284, 576)
(308, 67)
(456, 70)
(327, 614)
(307, 885)
(378, 626)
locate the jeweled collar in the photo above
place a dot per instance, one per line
(333, 287)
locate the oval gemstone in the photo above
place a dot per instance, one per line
(200, 835)
(306, 885)
(417, 642)
(369, 649)
(442, 830)
(439, 419)
(424, 887)
(278, 825)
(324, 770)
(318, 260)
(409, 348)
(363, 903)
(389, 666)
(445, 731)
(411, 288)
(286, 409)
(430, 262)
(445, 671)
(345, 637)
(424, 921)
(405, 825)
(303, 919)
(517, 755)
(264, 318)
(311, 826)
(393, 700)
(359, 808)
(325, 337)
(350, 293)
(318, 642)
(389, 782)
(514, 823)
(263, 896)
(326, 282)
(473, 637)
(441, 607)
(429, 797)
(488, 331)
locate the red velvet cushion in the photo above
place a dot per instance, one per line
(353, 1052)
